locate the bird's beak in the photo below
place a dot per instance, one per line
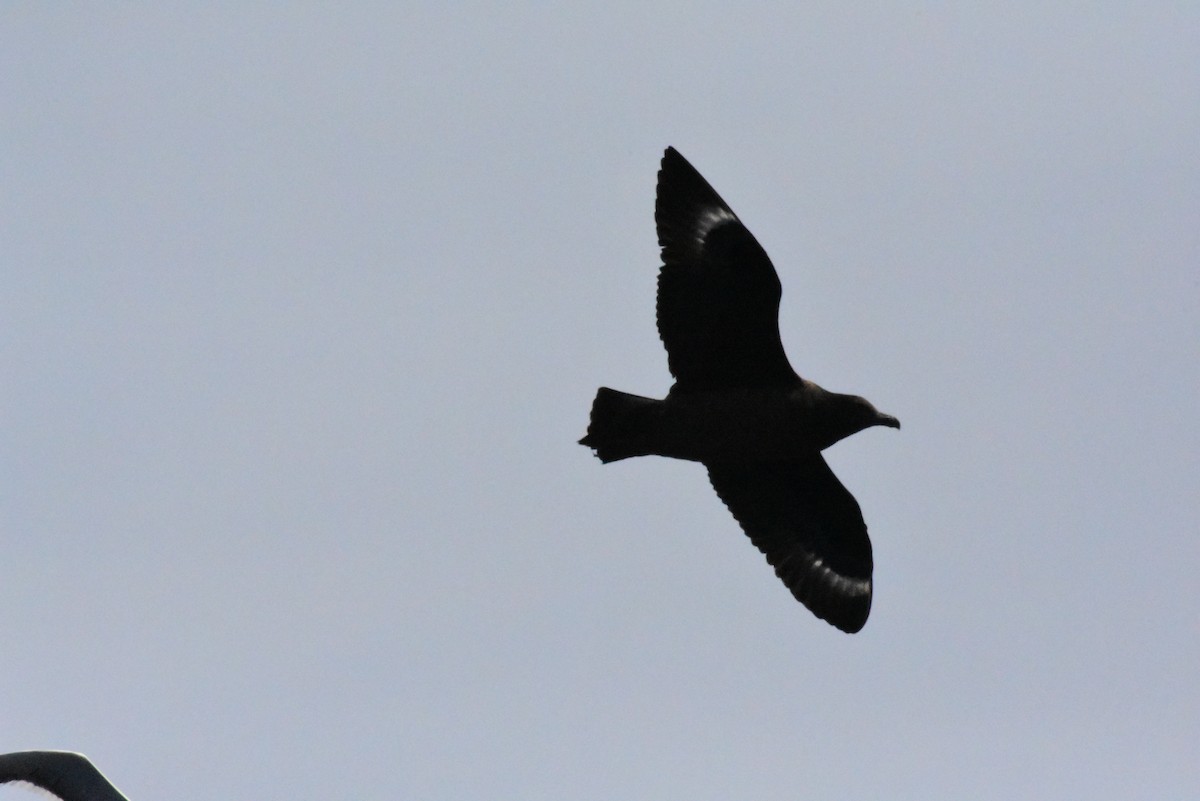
(889, 421)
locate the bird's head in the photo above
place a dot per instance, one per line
(849, 414)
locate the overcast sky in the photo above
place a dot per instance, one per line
(302, 312)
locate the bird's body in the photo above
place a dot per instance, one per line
(67, 775)
(739, 424)
(738, 407)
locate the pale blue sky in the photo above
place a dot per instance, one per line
(303, 309)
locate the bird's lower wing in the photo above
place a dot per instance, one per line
(809, 527)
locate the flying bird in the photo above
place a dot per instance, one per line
(739, 408)
(70, 776)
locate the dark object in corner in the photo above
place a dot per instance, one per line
(70, 776)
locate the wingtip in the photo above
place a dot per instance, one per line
(849, 628)
(845, 612)
(674, 162)
(851, 623)
(669, 156)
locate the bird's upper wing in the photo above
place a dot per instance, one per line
(811, 530)
(718, 294)
(68, 775)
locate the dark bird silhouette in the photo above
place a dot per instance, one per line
(739, 408)
(68, 775)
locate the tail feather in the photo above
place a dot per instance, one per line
(622, 425)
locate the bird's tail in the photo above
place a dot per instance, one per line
(622, 425)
